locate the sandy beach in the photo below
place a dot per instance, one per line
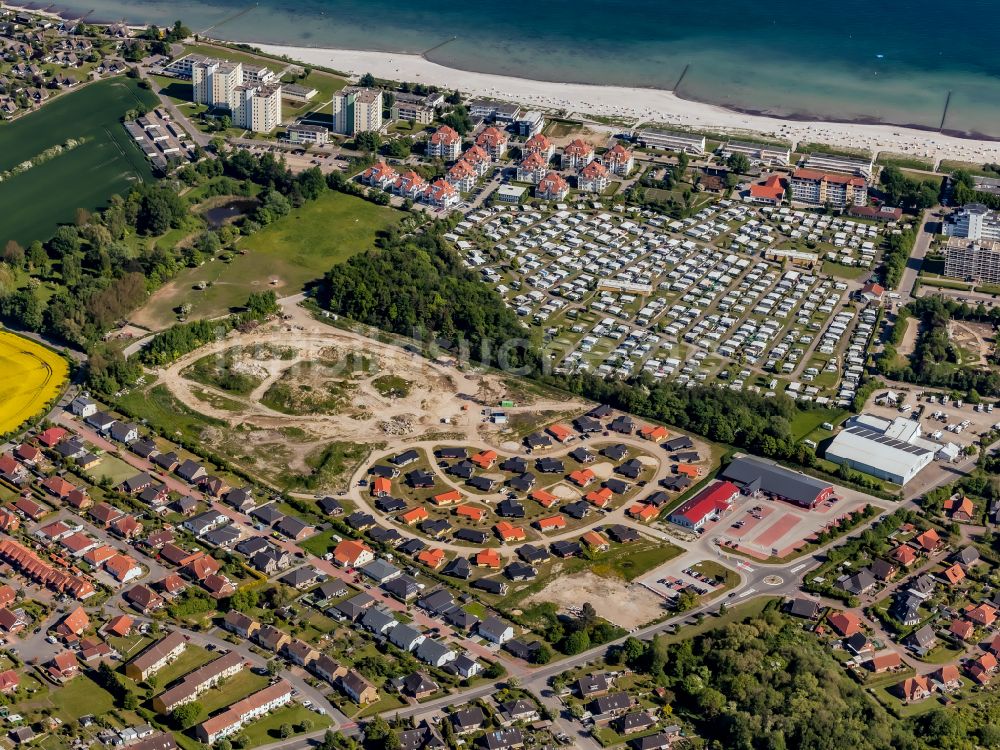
(645, 106)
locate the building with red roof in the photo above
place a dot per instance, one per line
(441, 194)
(710, 503)
(350, 554)
(845, 624)
(380, 175)
(593, 178)
(577, 154)
(552, 187)
(493, 141)
(532, 168)
(544, 498)
(619, 160)
(445, 143)
(539, 144)
(462, 175)
(828, 188)
(57, 486)
(410, 185)
(552, 523)
(51, 437)
(770, 192)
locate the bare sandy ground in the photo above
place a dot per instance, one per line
(627, 605)
(643, 105)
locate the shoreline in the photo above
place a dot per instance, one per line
(633, 106)
(649, 106)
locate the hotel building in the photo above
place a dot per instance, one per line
(823, 188)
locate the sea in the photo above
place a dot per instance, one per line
(922, 63)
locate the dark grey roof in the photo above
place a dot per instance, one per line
(808, 608)
(267, 514)
(402, 587)
(774, 479)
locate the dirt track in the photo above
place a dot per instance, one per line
(441, 398)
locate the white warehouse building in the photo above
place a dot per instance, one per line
(888, 450)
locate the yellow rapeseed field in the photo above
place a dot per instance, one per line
(30, 377)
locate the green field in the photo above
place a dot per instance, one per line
(107, 162)
(294, 250)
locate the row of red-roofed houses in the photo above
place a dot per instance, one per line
(440, 193)
(593, 174)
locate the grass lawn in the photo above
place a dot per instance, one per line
(629, 561)
(319, 544)
(191, 658)
(386, 702)
(112, 467)
(809, 421)
(296, 249)
(236, 688)
(844, 272)
(944, 283)
(107, 161)
(79, 697)
(159, 407)
(266, 731)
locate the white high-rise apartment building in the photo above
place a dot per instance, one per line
(252, 94)
(357, 110)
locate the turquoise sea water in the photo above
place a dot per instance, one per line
(884, 60)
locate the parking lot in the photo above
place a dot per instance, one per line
(941, 419)
(727, 295)
(763, 527)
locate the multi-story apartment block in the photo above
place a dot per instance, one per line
(462, 175)
(251, 93)
(538, 144)
(445, 143)
(577, 154)
(419, 109)
(380, 175)
(441, 193)
(478, 159)
(974, 221)
(828, 188)
(232, 719)
(494, 142)
(619, 160)
(552, 187)
(214, 82)
(672, 140)
(357, 110)
(532, 168)
(758, 153)
(258, 107)
(594, 178)
(973, 260)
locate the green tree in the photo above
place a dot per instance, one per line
(368, 141)
(576, 642)
(739, 163)
(188, 714)
(285, 731)
(367, 80)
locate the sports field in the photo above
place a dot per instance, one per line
(105, 162)
(30, 377)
